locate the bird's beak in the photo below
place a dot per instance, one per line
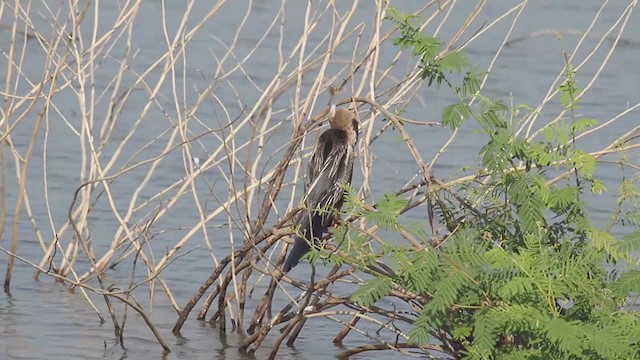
(332, 111)
(332, 101)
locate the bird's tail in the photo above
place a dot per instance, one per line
(312, 226)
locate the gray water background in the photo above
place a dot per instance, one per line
(42, 319)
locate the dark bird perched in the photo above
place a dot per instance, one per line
(330, 169)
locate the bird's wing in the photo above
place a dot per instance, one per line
(330, 169)
(316, 165)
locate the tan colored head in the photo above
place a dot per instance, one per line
(344, 120)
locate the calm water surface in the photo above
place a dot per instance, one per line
(42, 319)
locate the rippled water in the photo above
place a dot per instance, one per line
(42, 319)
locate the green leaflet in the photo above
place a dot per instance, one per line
(372, 291)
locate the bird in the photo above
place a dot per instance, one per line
(329, 170)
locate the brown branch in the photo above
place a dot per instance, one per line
(272, 237)
(348, 353)
(347, 328)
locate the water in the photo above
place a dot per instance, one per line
(42, 319)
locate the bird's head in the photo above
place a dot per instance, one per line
(344, 120)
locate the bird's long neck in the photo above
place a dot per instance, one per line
(352, 135)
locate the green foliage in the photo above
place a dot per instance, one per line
(454, 114)
(582, 125)
(455, 61)
(629, 243)
(386, 212)
(372, 291)
(566, 335)
(352, 203)
(523, 273)
(569, 90)
(628, 203)
(627, 283)
(470, 84)
(420, 333)
(417, 279)
(433, 66)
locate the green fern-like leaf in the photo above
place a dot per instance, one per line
(454, 61)
(560, 133)
(561, 199)
(517, 286)
(425, 46)
(495, 154)
(455, 114)
(399, 258)
(627, 283)
(372, 291)
(627, 191)
(597, 186)
(519, 148)
(569, 90)
(392, 203)
(543, 155)
(583, 161)
(419, 277)
(471, 84)
(603, 241)
(520, 317)
(387, 209)
(629, 243)
(540, 188)
(582, 125)
(491, 119)
(461, 332)
(609, 343)
(447, 291)
(353, 205)
(485, 333)
(565, 334)
(531, 214)
(528, 193)
(420, 333)
(494, 159)
(500, 260)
